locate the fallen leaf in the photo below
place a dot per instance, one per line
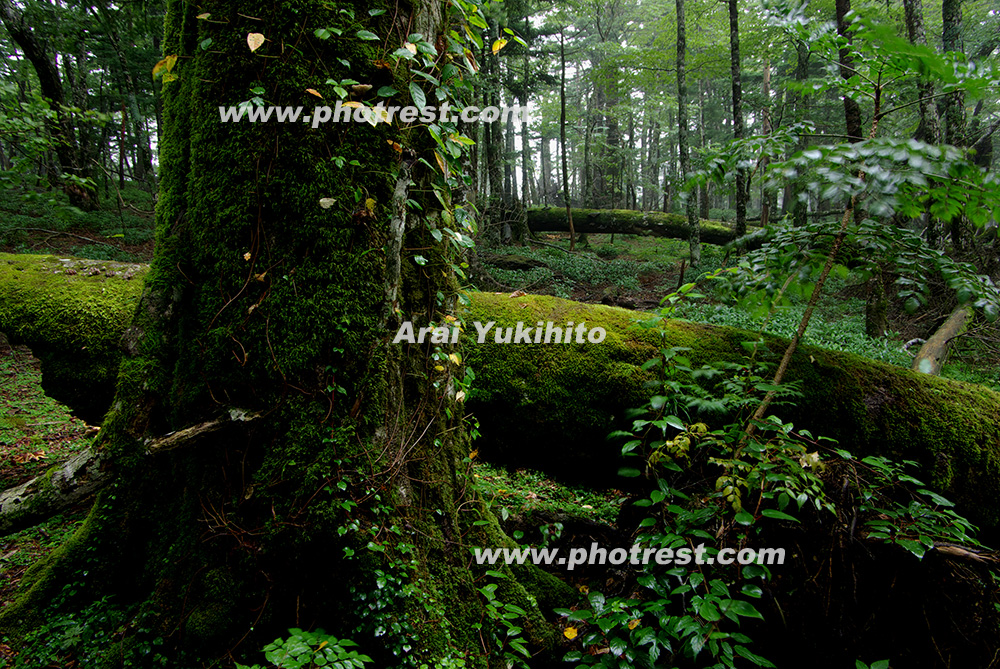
(518, 293)
(326, 202)
(254, 40)
(313, 91)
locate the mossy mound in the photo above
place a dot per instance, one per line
(71, 313)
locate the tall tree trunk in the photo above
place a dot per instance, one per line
(929, 129)
(738, 132)
(765, 194)
(703, 203)
(563, 149)
(797, 194)
(954, 106)
(694, 242)
(346, 505)
(852, 110)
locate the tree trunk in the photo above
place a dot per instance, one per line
(690, 207)
(852, 110)
(766, 196)
(932, 355)
(735, 74)
(563, 148)
(929, 129)
(349, 504)
(954, 104)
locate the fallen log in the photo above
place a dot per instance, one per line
(551, 405)
(933, 354)
(626, 222)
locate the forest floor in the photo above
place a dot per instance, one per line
(36, 432)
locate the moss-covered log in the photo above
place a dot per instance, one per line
(550, 405)
(626, 222)
(71, 312)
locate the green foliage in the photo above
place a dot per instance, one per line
(311, 650)
(720, 489)
(92, 637)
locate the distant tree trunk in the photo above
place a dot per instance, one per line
(703, 203)
(954, 104)
(562, 138)
(545, 178)
(509, 179)
(797, 195)
(929, 129)
(852, 110)
(691, 204)
(765, 195)
(735, 71)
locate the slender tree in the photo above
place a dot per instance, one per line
(564, 150)
(738, 131)
(691, 204)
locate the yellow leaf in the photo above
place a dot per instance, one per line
(454, 358)
(254, 40)
(632, 624)
(260, 277)
(460, 396)
(439, 368)
(409, 46)
(450, 318)
(203, 16)
(499, 44)
(165, 64)
(584, 589)
(313, 91)
(246, 256)
(570, 632)
(354, 104)
(395, 145)
(473, 454)
(441, 163)
(370, 204)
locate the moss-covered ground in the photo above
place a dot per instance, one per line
(35, 433)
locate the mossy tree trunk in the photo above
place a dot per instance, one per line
(346, 504)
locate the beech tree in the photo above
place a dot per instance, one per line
(315, 475)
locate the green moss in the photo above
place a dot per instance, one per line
(71, 313)
(551, 405)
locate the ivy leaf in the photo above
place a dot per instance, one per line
(367, 35)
